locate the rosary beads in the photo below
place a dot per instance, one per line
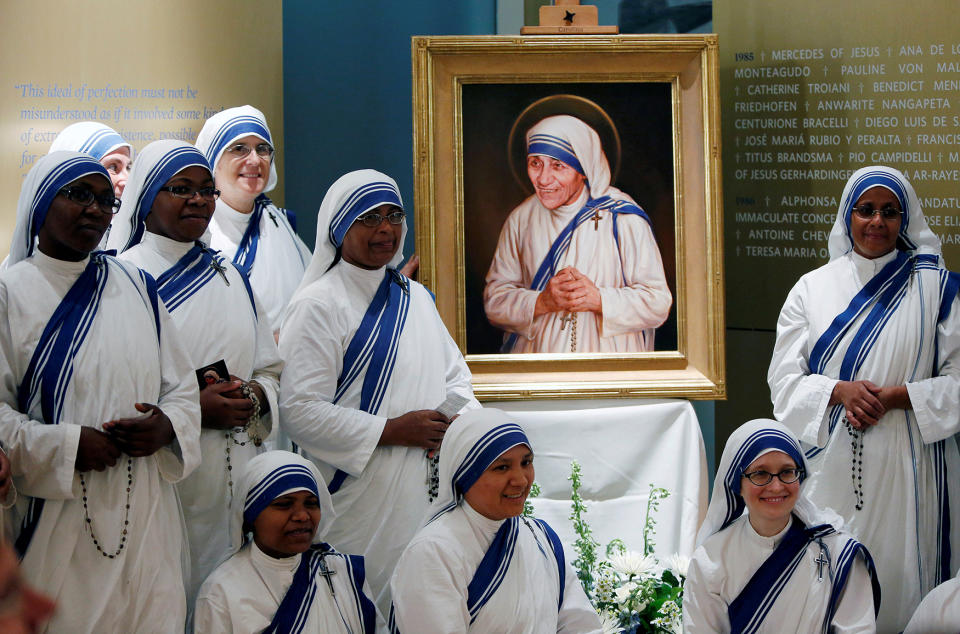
(856, 463)
(126, 513)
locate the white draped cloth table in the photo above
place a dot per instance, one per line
(623, 446)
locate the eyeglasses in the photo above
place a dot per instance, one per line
(240, 150)
(867, 212)
(208, 194)
(108, 203)
(763, 478)
(374, 220)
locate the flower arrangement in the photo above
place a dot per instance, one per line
(633, 592)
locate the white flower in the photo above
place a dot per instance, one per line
(678, 564)
(609, 624)
(623, 592)
(633, 563)
(606, 581)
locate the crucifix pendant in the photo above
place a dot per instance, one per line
(273, 218)
(221, 269)
(821, 561)
(567, 318)
(326, 573)
(596, 218)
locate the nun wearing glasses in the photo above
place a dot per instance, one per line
(371, 378)
(256, 235)
(866, 372)
(167, 207)
(783, 565)
(98, 416)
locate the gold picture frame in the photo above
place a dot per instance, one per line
(680, 71)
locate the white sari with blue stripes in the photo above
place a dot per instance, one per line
(242, 596)
(437, 567)
(270, 251)
(727, 562)
(383, 498)
(624, 264)
(120, 363)
(217, 319)
(911, 493)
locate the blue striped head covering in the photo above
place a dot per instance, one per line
(156, 164)
(348, 198)
(472, 443)
(554, 147)
(89, 137)
(750, 441)
(268, 476)
(572, 141)
(226, 127)
(914, 234)
(358, 201)
(41, 185)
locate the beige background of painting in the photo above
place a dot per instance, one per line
(230, 53)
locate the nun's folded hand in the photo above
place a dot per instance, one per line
(421, 428)
(860, 402)
(95, 451)
(144, 435)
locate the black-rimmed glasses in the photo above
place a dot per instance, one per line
(208, 194)
(867, 212)
(240, 150)
(83, 196)
(762, 478)
(373, 220)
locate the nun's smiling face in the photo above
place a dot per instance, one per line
(242, 172)
(182, 219)
(555, 182)
(70, 230)
(771, 504)
(502, 489)
(875, 222)
(287, 526)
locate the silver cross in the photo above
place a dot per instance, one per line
(820, 561)
(221, 269)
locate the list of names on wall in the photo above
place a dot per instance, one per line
(798, 121)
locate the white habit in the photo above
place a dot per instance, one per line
(901, 515)
(281, 258)
(723, 565)
(119, 364)
(243, 594)
(818, 572)
(634, 295)
(217, 322)
(430, 583)
(939, 612)
(384, 499)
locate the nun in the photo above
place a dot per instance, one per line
(368, 366)
(99, 417)
(478, 565)
(102, 143)
(282, 578)
(165, 212)
(785, 565)
(259, 237)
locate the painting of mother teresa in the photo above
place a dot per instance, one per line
(577, 267)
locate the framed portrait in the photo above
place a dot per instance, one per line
(567, 199)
